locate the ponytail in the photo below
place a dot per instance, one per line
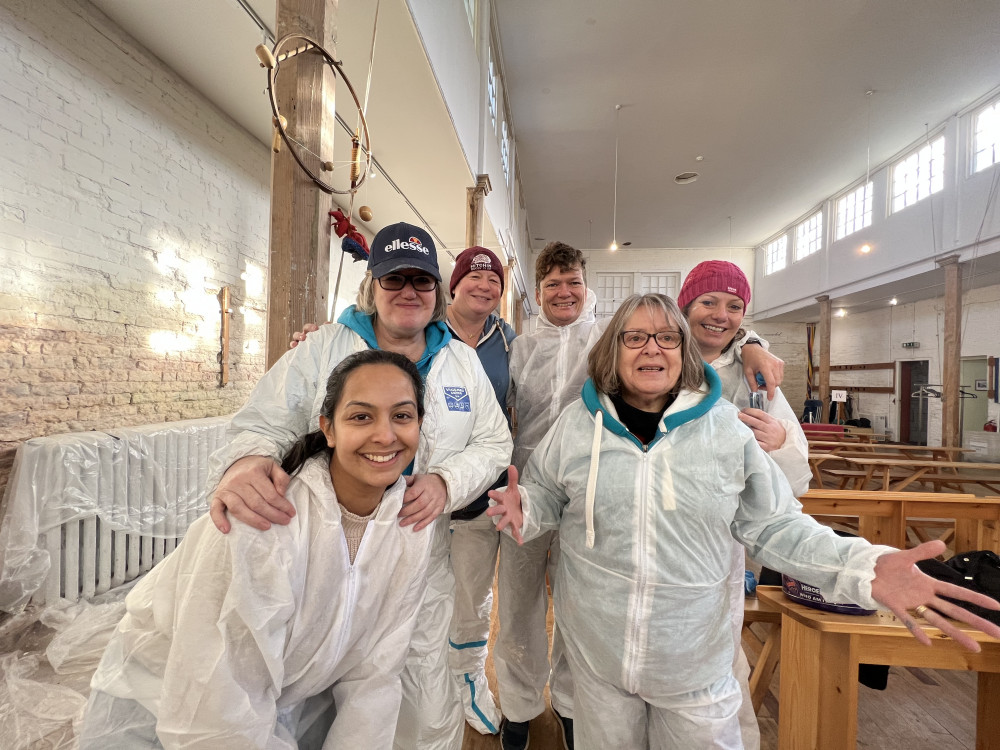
(305, 448)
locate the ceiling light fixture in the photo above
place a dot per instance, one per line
(894, 301)
(841, 313)
(614, 215)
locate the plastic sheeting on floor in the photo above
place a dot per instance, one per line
(47, 657)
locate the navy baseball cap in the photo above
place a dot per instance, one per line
(400, 246)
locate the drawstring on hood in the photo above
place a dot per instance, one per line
(595, 454)
(671, 420)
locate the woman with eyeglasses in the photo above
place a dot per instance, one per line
(648, 479)
(464, 446)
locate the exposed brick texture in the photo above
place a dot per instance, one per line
(127, 200)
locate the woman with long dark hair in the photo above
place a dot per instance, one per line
(246, 639)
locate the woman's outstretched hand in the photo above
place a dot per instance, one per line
(900, 585)
(508, 506)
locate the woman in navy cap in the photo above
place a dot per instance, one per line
(464, 446)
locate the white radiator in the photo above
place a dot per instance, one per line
(85, 512)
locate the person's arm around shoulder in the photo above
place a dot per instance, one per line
(753, 352)
(246, 474)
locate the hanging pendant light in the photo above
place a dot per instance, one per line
(614, 215)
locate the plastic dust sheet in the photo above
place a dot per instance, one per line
(147, 480)
(51, 655)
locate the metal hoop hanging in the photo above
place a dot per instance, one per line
(272, 59)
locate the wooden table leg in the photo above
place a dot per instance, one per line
(763, 671)
(819, 689)
(988, 711)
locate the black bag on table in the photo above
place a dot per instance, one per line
(977, 571)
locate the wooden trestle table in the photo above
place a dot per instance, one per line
(820, 653)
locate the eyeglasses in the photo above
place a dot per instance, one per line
(664, 339)
(393, 282)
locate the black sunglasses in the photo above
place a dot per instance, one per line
(393, 282)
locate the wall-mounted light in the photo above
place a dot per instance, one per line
(841, 313)
(865, 249)
(894, 301)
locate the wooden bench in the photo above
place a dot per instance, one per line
(823, 431)
(882, 516)
(959, 478)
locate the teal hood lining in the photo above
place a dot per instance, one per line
(591, 399)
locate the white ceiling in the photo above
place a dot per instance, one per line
(210, 43)
(770, 93)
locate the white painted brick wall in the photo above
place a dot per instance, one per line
(126, 201)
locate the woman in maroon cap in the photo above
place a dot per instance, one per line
(714, 298)
(477, 283)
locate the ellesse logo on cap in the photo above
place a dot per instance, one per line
(412, 244)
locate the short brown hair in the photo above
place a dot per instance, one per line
(602, 362)
(366, 298)
(558, 254)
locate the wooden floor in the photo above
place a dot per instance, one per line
(921, 709)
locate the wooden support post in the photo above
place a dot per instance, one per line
(474, 210)
(825, 317)
(951, 435)
(299, 264)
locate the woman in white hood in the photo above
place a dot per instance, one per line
(260, 640)
(647, 510)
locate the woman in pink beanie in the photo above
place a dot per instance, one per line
(714, 298)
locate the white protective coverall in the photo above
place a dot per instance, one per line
(793, 460)
(226, 642)
(464, 439)
(642, 597)
(475, 545)
(547, 369)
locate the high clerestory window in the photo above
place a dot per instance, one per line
(491, 88)
(918, 175)
(854, 211)
(809, 236)
(986, 145)
(776, 255)
(505, 151)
